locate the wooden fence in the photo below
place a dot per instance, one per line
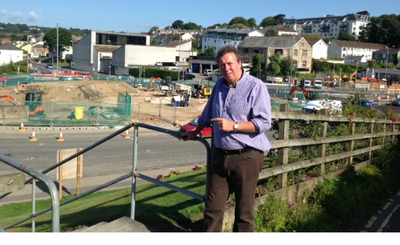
(291, 191)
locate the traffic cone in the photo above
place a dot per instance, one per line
(33, 137)
(22, 129)
(61, 138)
(177, 123)
(127, 135)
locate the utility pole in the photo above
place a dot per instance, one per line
(57, 46)
(27, 55)
(387, 60)
(291, 64)
(109, 61)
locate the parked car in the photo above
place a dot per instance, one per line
(396, 102)
(365, 102)
(50, 66)
(207, 72)
(189, 76)
(205, 133)
(317, 84)
(307, 84)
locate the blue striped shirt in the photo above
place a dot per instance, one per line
(247, 100)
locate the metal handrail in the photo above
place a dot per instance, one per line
(132, 174)
(50, 184)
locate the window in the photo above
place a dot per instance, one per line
(256, 51)
(302, 44)
(279, 51)
(305, 53)
(376, 56)
(295, 52)
(246, 50)
(304, 64)
(384, 56)
(215, 41)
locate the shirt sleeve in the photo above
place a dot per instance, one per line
(261, 113)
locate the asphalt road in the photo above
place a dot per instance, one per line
(155, 151)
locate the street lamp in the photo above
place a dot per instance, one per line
(291, 65)
(387, 60)
(109, 61)
(27, 55)
(57, 46)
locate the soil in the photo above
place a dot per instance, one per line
(107, 92)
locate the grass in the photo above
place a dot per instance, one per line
(156, 206)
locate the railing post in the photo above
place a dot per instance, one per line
(134, 168)
(283, 153)
(352, 131)
(371, 131)
(393, 130)
(322, 147)
(384, 130)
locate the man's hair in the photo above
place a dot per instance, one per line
(228, 49)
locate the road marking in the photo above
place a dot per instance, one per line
(387, 205)
(384, 224)
(371, 222)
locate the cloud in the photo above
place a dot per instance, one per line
(34, 16)
(16, 17)
(3, 12)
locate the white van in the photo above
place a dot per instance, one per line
(307, 83)
(317, 84)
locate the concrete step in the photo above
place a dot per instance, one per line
(124, 224)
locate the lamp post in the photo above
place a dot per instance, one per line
(291, 66)
(57, 46)
(109, 61)
(27, 55)
(387, 60)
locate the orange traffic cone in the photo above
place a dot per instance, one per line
(177, 123)
(127, 135)
(61, 138)
(33, 138)
(22, 129)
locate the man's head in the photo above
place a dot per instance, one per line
(230, 64)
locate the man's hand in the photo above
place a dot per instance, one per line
(224, 124)
(189, 135)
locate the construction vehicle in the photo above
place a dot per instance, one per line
(202, 90)
(181, 100)
(152, 80)
(353, 77)
(293, 89)
(33, 99)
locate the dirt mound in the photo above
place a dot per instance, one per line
(88, 91)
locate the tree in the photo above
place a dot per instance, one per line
(271, 33)
(178, 24)
(177, 37)
(252, 22)
(258, 63)
(153, 43)
(64, 39)
(190, 26)
(384, 29)
(209, 52)
(195, 44)
(286, 66)
(268, 21)
(345, 36)
(239, 20)
(273, 68)
(153, 29)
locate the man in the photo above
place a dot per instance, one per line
(239, 110)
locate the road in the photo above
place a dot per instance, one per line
(155, 151)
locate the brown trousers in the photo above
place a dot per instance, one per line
(233, 173)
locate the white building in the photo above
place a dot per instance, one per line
(115, 53)
(218, 38)
(319, 48)
(330, 25)
(10, 53)
(339, 49)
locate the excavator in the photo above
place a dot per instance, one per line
(152, 80)
(352, 79)
(294, 88)
(33, 99)
(202, 90)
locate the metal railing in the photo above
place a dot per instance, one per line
(134, 174)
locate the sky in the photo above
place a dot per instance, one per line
(136, 16)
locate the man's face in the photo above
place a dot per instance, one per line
(230, 68)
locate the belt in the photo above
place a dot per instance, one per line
(244, 150)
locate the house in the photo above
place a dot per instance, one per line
(167, 38)
(218, 38)
(294, 46)
(184, 49)
(38, 49)
(282, 31)
(115, 53)
(356, 60)
(319, 48)
(10, 53)
(330, 26)
(5, 40)
(389, 55)
(341, 49)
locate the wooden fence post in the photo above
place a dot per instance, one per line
(384, 130)
(352, 131)
(371, 131)
(322, 147)
(283, 153)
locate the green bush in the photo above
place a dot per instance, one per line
(153, 72)
(12, 68)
